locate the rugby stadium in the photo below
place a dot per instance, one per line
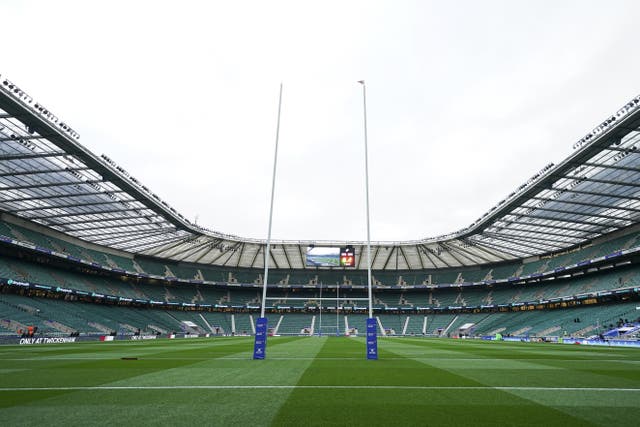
(113, 304)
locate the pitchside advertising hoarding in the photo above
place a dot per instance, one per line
(260, 345)
(372, 339)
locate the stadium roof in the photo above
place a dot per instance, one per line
(48, 177)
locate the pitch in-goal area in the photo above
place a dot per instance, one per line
(319, 381)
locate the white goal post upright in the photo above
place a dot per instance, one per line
(372, 338)
(260, 344)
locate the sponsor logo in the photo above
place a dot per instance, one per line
(16, 283)
(144, 337)
(47, 340)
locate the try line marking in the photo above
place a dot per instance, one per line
(315, 387)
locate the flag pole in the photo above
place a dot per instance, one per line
(372, 339)
(261, 326)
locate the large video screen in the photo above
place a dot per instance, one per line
(324, 256)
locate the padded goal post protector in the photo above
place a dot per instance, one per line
(260, 345)
(372, 339)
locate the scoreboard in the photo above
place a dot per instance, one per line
(347, 257)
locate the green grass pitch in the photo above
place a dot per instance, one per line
(315, 381)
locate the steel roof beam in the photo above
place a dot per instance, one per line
(24, 156)
(222, 252)
(417, 249)
(604, 181)
(452, 253)
(232, 251)
(529, 245)
(129, 237)
(442, 261)
(154, 243)
(17, 138)
(60, 196)
(67, 215)
(101, 237)
(425, 252)
(605, 166)
(484, 250)
(546, 233)
(404, 256)
(76, 205)
(207, 252)
(272, 257)
(556, 227)
(183, 252)
(188, 249)
(75, 229)
(616, 218)
(42, 171)
(53, 184)
(303, 258)
(163, 249)
(511, 250)
(120, 218)
(595, 193)
(597, 205)
(286, 256)
(241, 253)
(384, 267)
(375, 256)
(452, 249)
(621, 149)
(514, 252)
(150, 245)
(570, 221)
(468, 254)
(553, 243)
(255, 256)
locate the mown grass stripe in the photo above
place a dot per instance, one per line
(311, 387)
(398, 390)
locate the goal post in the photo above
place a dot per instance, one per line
(334, 324)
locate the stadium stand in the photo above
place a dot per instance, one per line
(558, 256)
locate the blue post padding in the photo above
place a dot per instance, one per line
(372, 339)
(260, 346)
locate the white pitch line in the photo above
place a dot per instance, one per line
(315, 387)
(45, 358)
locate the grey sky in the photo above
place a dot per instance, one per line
(466, 101)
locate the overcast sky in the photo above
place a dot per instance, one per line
(466, 100)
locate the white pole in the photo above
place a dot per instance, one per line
(320, 320)
(273, 189)
(338, 310)
(366, 171)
